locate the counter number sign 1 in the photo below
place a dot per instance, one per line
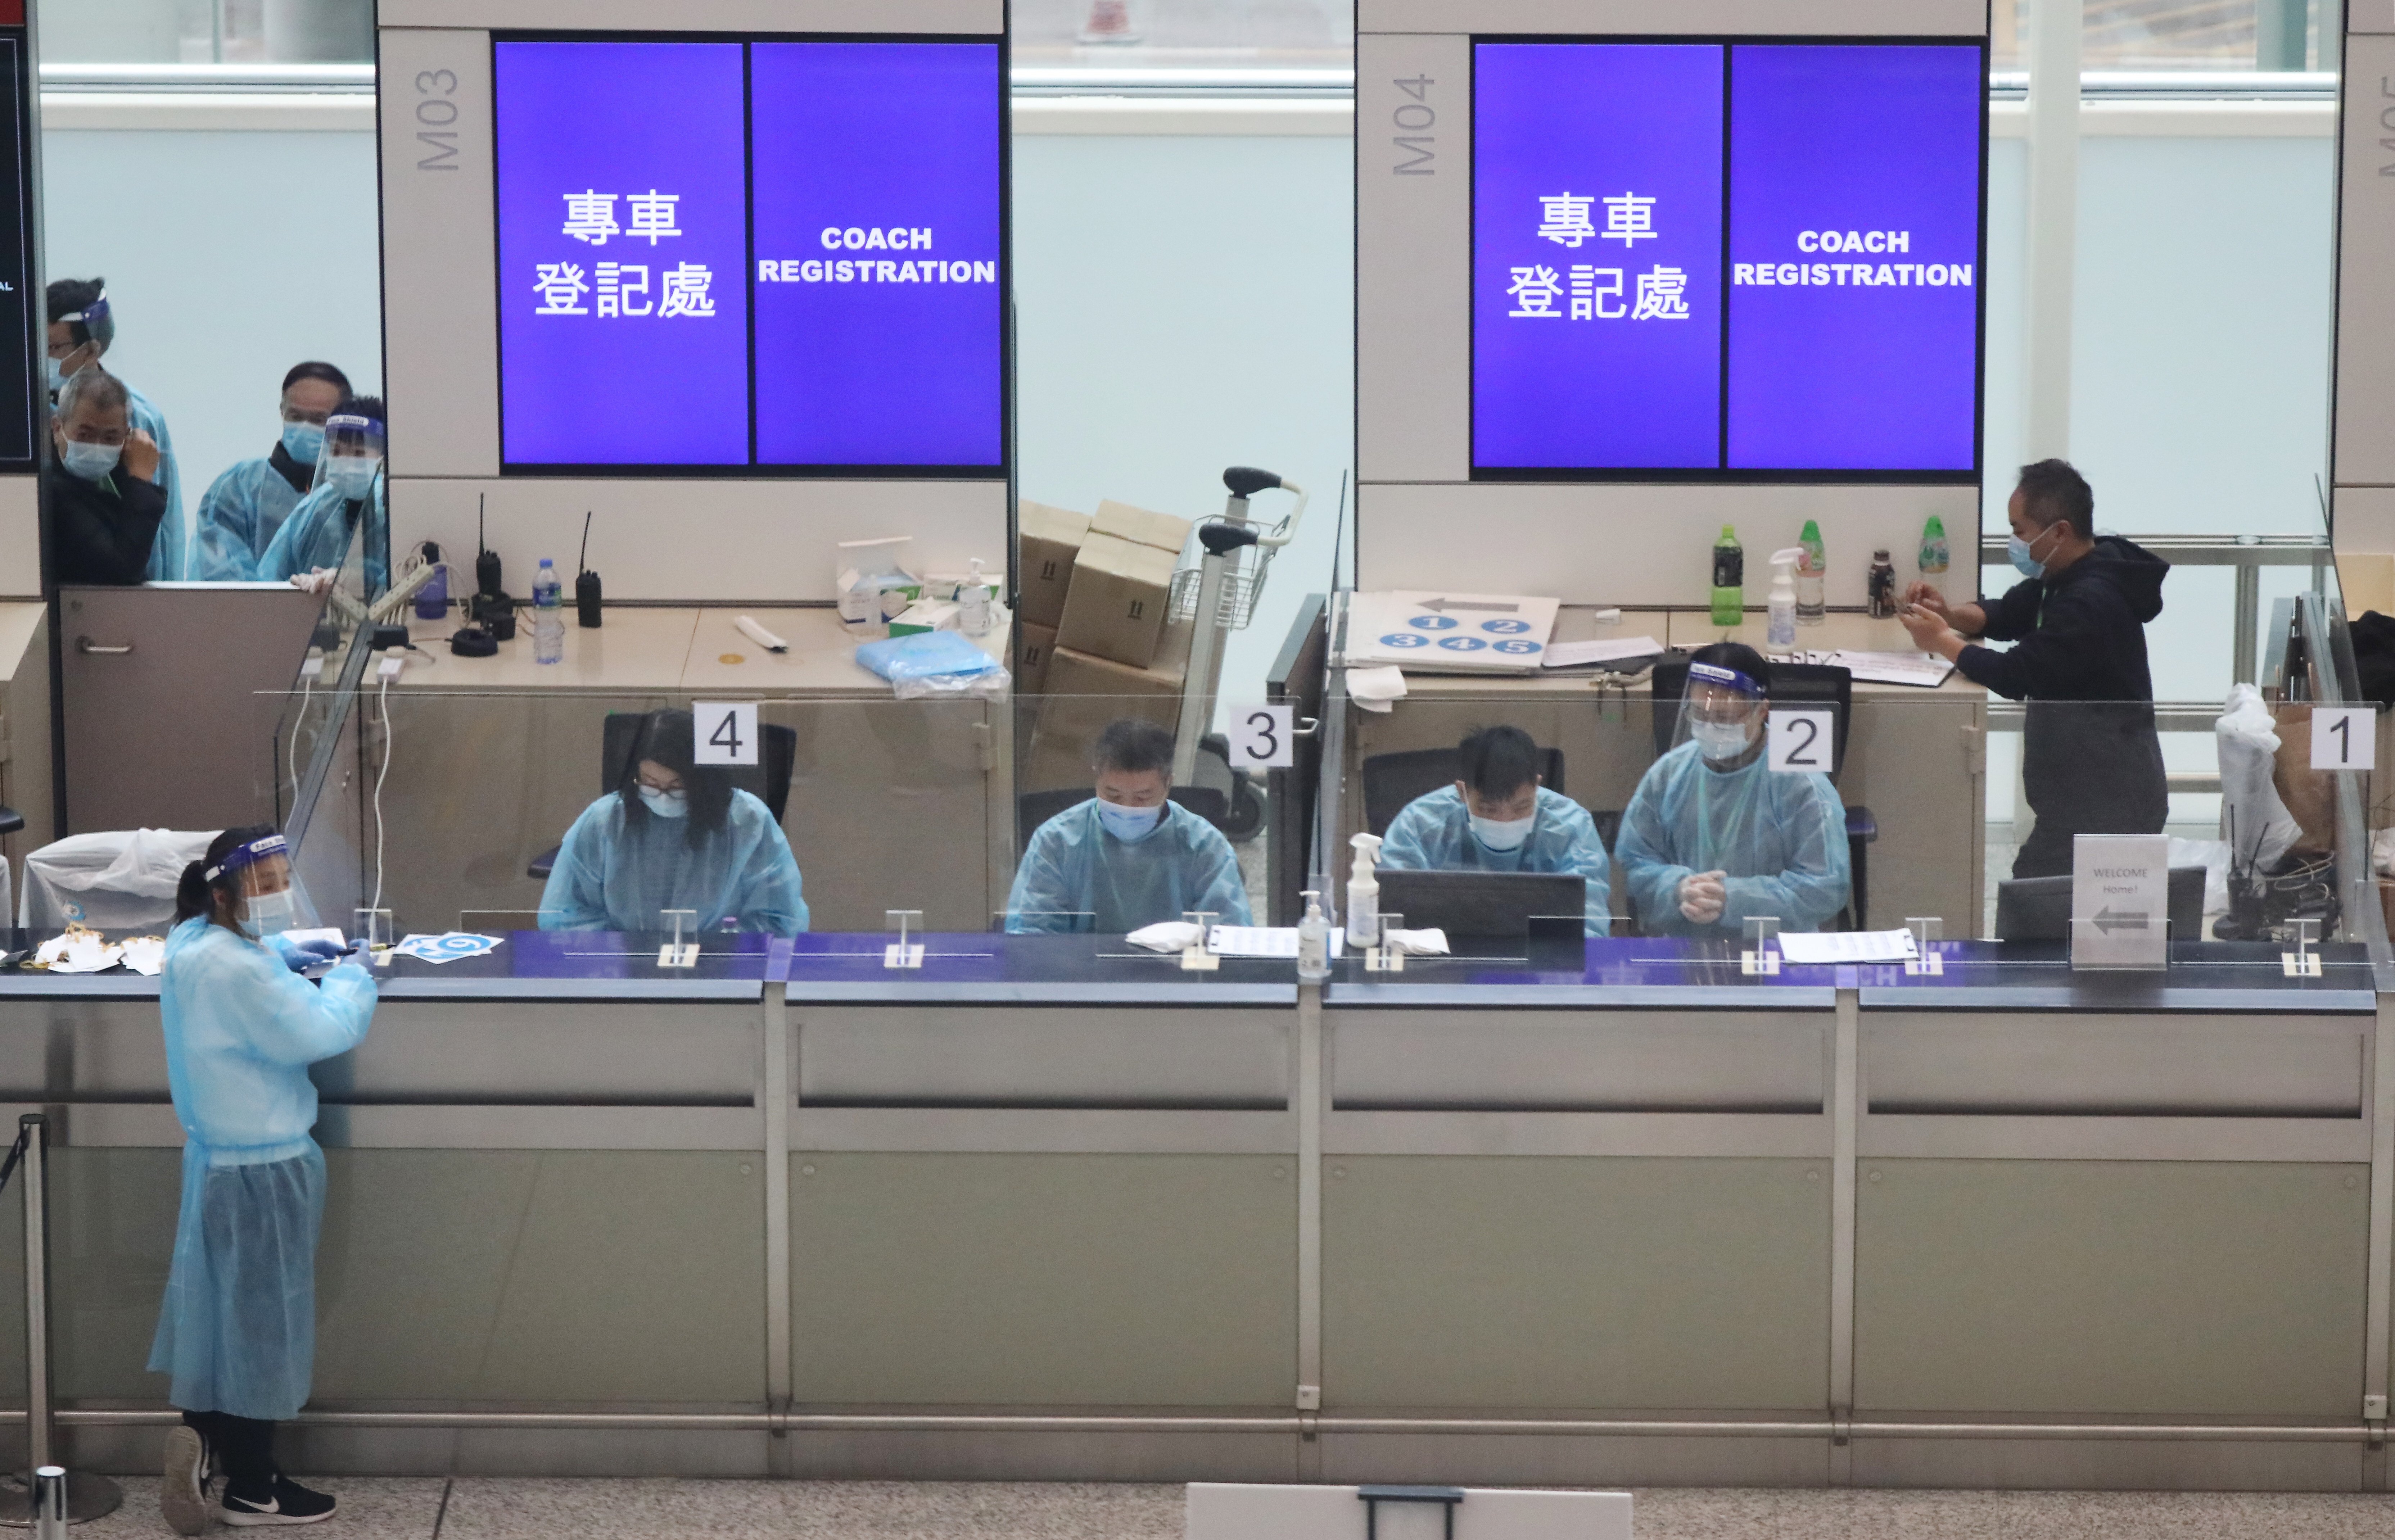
(1261, 737)
(2344, 737)
(1802, 739)
(727, 732)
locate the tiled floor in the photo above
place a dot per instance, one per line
(479, 1509)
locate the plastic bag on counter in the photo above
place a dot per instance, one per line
(934, 663)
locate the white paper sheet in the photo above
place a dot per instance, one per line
(1258, 941)
(1846, 946)
(1164, 936)
(1580, 655)
(1921, 670)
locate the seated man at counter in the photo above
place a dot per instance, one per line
(104, 508)
(1500, 818)
(247, 505)
(1713, 834)
(1129, 856)
(677, 835)
(349, 495)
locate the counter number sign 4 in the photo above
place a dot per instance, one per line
(1262, 737)
(727, 732)
(2344, 738)
(1802, 739)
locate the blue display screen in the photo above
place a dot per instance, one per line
(769, 257)
(1726, 260)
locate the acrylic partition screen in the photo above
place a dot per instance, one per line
(768, 256)
(1732, 260)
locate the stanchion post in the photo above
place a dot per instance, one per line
(48, 1498)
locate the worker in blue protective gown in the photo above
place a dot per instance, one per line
(1714, 836)
(247, 506)
(349, 494)
(237, 1330)
(677, 835)
(1498, 818)
(1129, 856)
(82, 329)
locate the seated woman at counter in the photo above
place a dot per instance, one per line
(1713, 834)
(1129, 856)
(1498, 818)
(677, 835)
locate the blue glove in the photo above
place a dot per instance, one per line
(300, 956)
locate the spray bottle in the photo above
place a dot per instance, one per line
(1812, 575)
(1781, 608)
(1364, 893)
(1312, 943)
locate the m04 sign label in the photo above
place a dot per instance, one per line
(1417, 147)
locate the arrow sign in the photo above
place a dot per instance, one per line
(1441, 606)
(2109, 921)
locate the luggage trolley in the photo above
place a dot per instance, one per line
(1220, 595)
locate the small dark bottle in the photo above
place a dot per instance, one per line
(1883, 587)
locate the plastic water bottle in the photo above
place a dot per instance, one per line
(433, 600)
(548, 617)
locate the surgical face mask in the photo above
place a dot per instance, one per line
(57, 376)
(1502, 834)
(1129, 824)
(351, 474)
(2023, 561)
(91, 461)
(672, 804)
(1718, 741)
(303, 441)
(267, 914)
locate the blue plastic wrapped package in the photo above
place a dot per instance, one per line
(935, 663)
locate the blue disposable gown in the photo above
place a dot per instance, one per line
(170, 553)
(239, 517)
(318, 535)
(615, 873)
(238, 1327)
(1434, 833)
(1074, 869)
(1781, 837)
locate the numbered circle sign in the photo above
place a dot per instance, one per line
(727, 732)
(1261, 737)
(1461, 644)
(1434, 623)
(1518, 645)
(1404, 639)
(1801, 740)
(2344, 737)
(1505, 627)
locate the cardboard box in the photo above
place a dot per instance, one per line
(1164, 531)
(1119, 594)
(1031, 671)
(1050, 539)
(1085, 693)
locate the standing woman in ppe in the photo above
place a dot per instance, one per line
(238, 1327)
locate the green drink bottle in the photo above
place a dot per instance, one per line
(1730, 579)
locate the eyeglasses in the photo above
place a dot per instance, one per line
(672, 785)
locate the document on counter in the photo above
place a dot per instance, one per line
(1581, 654)
(1923, 670)
(1846, 946)
(1261, 940)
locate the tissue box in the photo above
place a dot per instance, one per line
(925, 614)
(1049, 539)
(1116, 609)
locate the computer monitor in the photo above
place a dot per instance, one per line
(2038, 909)
(1497, 906)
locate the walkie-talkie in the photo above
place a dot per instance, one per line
(492, 609)
(586, 582)
(486, 560)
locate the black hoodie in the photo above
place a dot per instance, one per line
(2081, 637)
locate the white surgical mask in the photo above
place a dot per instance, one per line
(91, 461)
(351, 474)
(672, 804)
(1502, 834)
(267, 914)
(57, 376)
(1129, 824)
(1718, 741)
(303, 441)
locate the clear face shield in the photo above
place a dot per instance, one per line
(269, 899)
(352, 456)
(1723, 712)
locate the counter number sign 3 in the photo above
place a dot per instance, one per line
(1261, 737)
(727, 732)
(2344, 738)
(1802, 739)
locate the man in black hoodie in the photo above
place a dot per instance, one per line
(2078, 626)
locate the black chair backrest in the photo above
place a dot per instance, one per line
(1033, 809)
(2038, 909)
(1392, 780)
(768, 781)
(1792, 684)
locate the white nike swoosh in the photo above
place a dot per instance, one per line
(273, 1505)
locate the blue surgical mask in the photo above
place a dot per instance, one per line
(2019, 549)
(1129, 824)
(265, 915)
(303, 441)
(672, 804)
(1718, 742)
(351, 475)
(91, 461)
(57, 376)
(1502, 834)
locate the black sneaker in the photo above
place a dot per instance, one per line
(183, 1488)
(287, 1503)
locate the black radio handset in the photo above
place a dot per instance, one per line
(586, 582)
(486, 560)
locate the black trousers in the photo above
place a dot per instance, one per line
(244, 1446)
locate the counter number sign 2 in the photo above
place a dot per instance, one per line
(1261, 737)
(2344, 738)
(727, 732)
(1802, 739)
